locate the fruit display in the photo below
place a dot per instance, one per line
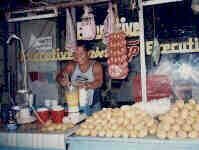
(119, 122)
(117, 56)
(181, 121)
(51, 127)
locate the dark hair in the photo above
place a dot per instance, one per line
(84, 44)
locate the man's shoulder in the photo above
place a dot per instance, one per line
(70, 66)
(97, 64)
(71, 63)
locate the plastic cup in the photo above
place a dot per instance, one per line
(57, 114)
(43, 114)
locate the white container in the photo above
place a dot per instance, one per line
(83, 97)
(47, 103)
(54, 103)
(24, 113)
(57, 108)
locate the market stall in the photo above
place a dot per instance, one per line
(54, 107)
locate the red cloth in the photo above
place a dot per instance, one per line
(158, 86)
(34, 76)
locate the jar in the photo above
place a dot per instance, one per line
(72, 98)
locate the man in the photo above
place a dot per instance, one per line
(84, 73)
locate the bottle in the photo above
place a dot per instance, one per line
(11, 124)
(30, 99)
(65, 109)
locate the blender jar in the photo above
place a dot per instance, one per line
(72, 98)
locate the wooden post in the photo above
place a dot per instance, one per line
(142, 52)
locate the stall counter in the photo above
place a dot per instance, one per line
(149, 143)
(33, 140)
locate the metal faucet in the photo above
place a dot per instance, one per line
(25, 90)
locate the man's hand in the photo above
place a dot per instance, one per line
(62, 78)
(64, 82)
(81, 84)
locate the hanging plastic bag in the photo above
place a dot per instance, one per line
(109, 23)
(195, 6)
(70, 33)
(156, 51)
(88, 24)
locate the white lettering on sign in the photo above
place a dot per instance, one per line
(131, 29)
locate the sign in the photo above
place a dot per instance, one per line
(131, 29)
(41, 43)
(187, 46)
(190, 45)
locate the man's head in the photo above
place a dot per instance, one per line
(81, 55)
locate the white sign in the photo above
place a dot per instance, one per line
(41, 43)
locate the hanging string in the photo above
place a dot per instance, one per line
(154, 23)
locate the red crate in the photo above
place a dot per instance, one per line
(158, 86)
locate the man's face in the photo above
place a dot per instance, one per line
(81, 55)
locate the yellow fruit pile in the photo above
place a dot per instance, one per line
(51, 127)
(182, 121)
(120, 122)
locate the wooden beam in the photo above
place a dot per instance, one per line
(158, 2)
(77, 3)
(66, 4)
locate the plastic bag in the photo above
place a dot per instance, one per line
(158, 86)
(195, 6)
(70, 33)
(88, 24)
(156, 51)
(109, 23)
(183, 72)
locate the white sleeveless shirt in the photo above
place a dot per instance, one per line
(87, 76)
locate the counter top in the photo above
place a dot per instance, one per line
(35, 129)
(148, 139)
(148, 143)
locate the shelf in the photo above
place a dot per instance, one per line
(158, 2)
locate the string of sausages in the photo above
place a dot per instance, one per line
(117, 56)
